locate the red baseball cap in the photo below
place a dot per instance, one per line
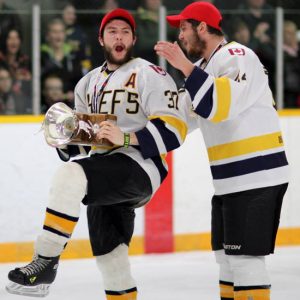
(199, 11)
(115, 14)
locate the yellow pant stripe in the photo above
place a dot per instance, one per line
(174, 122)
(223, 99)
(128, 296)
(245, 146)
(263, 294)
(59, 223)
(226, 291)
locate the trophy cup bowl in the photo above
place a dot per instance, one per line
(63, 126)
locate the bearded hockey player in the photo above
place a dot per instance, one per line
(113, 180)
(228, 88)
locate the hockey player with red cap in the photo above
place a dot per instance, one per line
(228, 90)
(114, 179)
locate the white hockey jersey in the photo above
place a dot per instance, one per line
(238, 121)
(145, 100)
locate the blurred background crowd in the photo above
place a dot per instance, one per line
(69, 43)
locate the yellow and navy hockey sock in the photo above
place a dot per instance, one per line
(226, 290)
(130, 294)
(59, 223)
(261, 292)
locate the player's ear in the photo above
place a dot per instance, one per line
(100, 39)
(134, 39)
(201, 27)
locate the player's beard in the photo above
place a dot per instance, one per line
(114, 61)
(197, 46)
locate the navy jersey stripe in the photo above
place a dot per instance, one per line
(147, 143)
(195, 81)
(205, 106)
(169, 138)
(250, 165)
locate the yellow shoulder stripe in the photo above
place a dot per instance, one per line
(223, 99)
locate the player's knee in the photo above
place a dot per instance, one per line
(68, 185)
(115, 269)
(248, 270)
(240, 262)
(119, 256)
(69, 176)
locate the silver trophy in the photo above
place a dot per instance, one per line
(63, 126)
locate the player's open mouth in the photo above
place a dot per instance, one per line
(119, 48)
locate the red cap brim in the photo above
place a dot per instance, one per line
(175, 20)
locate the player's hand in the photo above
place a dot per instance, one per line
(112, 132)
(175, 56)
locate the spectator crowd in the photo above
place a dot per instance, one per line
(70, 46)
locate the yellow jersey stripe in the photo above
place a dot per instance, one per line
(128, 296)
(226, 291)
(263, 294)
(245, 146)
(180, 125)
(223, 99)
(59, 223)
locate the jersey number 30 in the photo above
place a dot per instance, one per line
(173, 99)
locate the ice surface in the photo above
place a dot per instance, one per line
(177, 276)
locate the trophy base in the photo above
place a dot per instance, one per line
(88, 127)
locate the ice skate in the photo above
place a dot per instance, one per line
(33, 279)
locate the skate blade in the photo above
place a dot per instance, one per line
(41, 290)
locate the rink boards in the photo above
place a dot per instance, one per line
(177, 219)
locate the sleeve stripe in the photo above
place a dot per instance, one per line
(161, 134)
(204, 109)
(169, 139)
(157, 137)
(147, 143)
(202, 92)
(175, 125)
(195, 81)
(223, 95)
